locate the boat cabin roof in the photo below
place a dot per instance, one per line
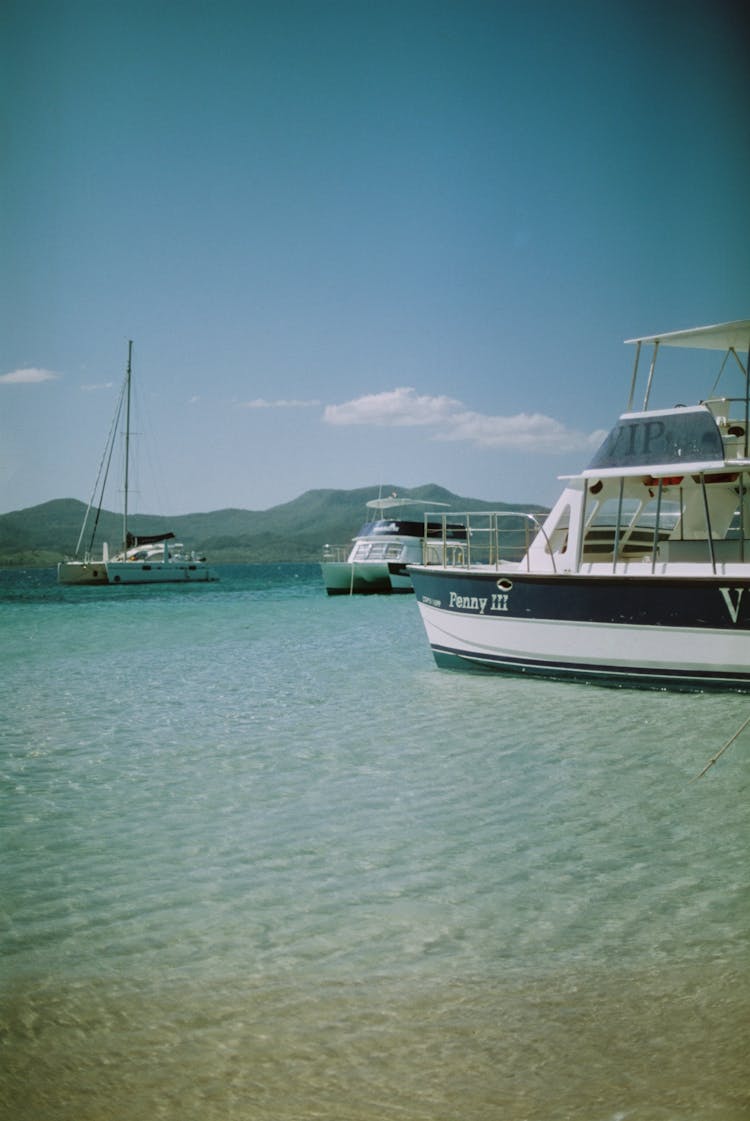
(394, 502)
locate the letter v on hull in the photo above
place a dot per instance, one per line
(733, 605)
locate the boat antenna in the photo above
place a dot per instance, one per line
(127, 448)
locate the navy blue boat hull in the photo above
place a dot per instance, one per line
(656, 631)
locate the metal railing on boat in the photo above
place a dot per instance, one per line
(486, 537)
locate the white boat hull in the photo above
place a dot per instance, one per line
(82, 572)
(701, 639)
(159, 572)
(364, 578)
(95, 573)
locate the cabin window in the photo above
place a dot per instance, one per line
(637, 523)
(378, 550)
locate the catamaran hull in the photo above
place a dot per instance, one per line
(657, 632)
(159, 572)
(82, 572)
(113, 572)
(367, 578)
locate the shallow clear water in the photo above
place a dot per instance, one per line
(262, 860)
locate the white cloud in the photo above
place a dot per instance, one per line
(28, 376)
(262, 403)
(451, 420)
(395, 407)
(92, 387)
(525, 430)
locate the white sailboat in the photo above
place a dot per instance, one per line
(141, 559)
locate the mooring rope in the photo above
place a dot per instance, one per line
(719, 754)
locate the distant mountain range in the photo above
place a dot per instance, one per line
(294, 531)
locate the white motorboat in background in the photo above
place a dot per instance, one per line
(142, 558)
(377, 560)
(640, 574)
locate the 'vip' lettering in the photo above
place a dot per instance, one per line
(733, 605)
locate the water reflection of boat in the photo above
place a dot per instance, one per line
(640, 574)
(377, 560)
(142, 558)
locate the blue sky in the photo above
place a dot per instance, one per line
(354, 242)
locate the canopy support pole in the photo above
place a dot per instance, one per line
(635, 375)
(651, 375)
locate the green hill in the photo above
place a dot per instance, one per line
(294, 531)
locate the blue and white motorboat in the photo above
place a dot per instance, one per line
(377, 560)
(640, 574)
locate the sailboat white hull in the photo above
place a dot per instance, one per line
(159, 572)
(82, 572)
(92, 573)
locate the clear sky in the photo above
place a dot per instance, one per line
(355, 242)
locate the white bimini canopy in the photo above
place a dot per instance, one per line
(393, 503)
(722, 336)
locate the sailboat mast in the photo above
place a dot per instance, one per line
(127, 450)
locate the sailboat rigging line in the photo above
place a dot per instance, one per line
(113, 438)
(101, 476)
(127, 450)
(719, 754)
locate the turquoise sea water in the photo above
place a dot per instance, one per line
(261, 860)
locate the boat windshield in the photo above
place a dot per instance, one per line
(677, 437)
(410, 529)
(391, 528)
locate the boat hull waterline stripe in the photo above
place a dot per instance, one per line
(644, 676)
(541, 642)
